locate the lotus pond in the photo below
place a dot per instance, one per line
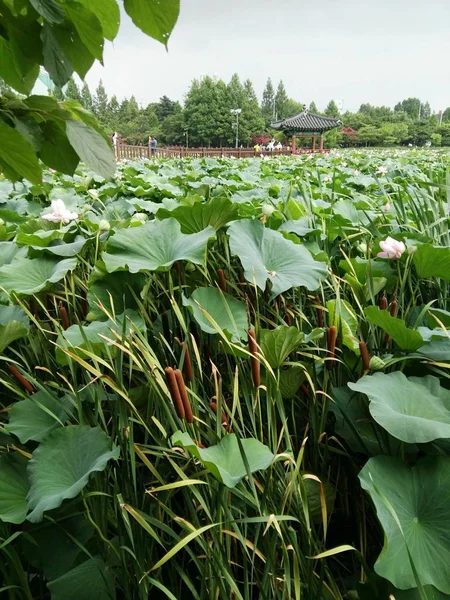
(227, 379)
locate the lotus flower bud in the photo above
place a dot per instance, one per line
(376, 363)
(104, 225)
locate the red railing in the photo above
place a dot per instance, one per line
(125, 151)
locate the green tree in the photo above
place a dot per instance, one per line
(173, 130)
(332, 109)
(113, 114)
(57, 93)
(86, 97)
(166, 107)
(292, 107)
(207, 114)
(446, 115)
(252, 122)
(268, 103)
(313, 108)
(100, 103)
(72, 92)
(281, 99)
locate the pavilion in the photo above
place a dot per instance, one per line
(306, 125)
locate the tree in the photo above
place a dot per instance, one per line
(332, 109)
(446, 115)
(281, 99)
(86, 97)
(57, 93)
(72, 92)
(252, 122)
(411, 106)
(113, 114)
(313, 108)
(166, 107)
(268, 103)
(100, 103)
(292, 107)
(173, 130)
(207, 113)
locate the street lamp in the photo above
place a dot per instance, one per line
(237, 112)
(186, 133)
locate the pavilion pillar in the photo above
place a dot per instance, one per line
(293, 144)
(321, 144)
(313, 143)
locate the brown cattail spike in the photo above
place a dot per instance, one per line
(222, 281)
(20, 378)
(184, 396)
(383, 302)
(187, 363)
(319, 311)
(63, 316)
(365, 356)
(393, 308)
(224, 420)
(174, 392)
(331, 342)
(253, 348)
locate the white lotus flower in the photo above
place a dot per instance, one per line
(381, 171)
(59, 214)
(391, 248)
(267, 209)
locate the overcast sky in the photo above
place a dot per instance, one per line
(354, 51)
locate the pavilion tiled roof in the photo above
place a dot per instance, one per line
(306, 121)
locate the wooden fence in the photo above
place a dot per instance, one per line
(125, 151)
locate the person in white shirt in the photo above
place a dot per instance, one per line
(279, 146)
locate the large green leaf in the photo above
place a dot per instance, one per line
(88, 27)
(343, 316)
(405, 338)
(37, 416)
(14, 487)
(67, 538)
(212, 309)
(156, 245)
(266, 255)
(14, 324)
(56, 151)
(412, 409)
(49, 9)
(108, 13)
(432, 261)
(155, 18)
(92, 580)
(277, 344)
(18, 156)
(116, 292)
(13, 70)
(420, 498)
(224, 460)
(56, 62)
(62, 464)
(30, 276)
(91, 147)
(92, 337)
(217, 212)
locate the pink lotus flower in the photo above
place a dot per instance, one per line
(391, 248)
(387, 206)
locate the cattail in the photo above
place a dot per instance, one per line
(174, 392)
(184, 396)
(63, 316)
(331, 344)
(199, 444)
(365, 356)
(222, 281)
(84, 304)
(319, 311)
(20, 378)
(287, 317)
(224, 420)
(179, 272)
(253, 348)
(304, 390)
(393, 308)
(383, 302)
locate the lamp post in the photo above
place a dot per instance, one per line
(237, 112)
(186, 134)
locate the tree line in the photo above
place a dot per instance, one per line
(206, 117)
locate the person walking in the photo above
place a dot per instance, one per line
(153, 145)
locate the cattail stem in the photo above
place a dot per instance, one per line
(331, 344)
(179, 272)
(174, 392)
(165, 325)
(319, 311)
(287, 317)
(84, 304)
(253, 348)
(222, 281)
(184, 396)
(365, 356)
(20, 378)
(393, 312)
(63, 316)
(187, 363)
